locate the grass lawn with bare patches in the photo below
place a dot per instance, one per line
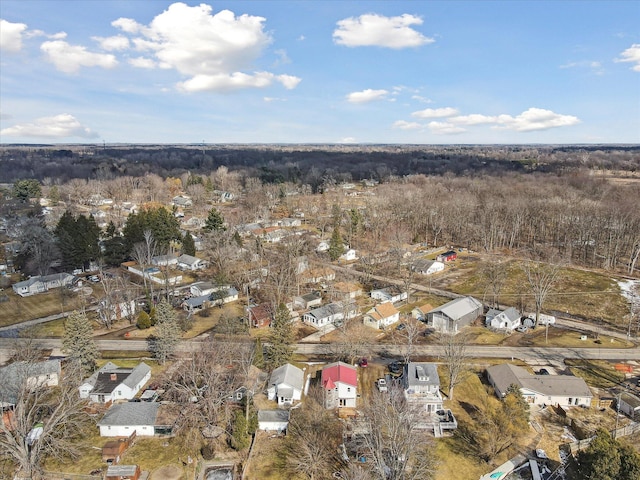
(597, 373)
(19, 309)
(263, 464)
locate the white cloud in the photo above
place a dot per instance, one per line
(347, 140)
(632, 55)
(142, 62)
(368, 95)
(283, 58)
(535, 119)
(404, 125)
(473, 119)
(235, 81)
(58, 126)
(117, 42)
(274, 99)
(422, 99)
(69, 58)
(595, 67)
(11, 35)
(444, 128)
(213, 49)
(380, 31)
(40, 33)
(435, 112)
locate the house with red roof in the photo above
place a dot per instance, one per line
(339, 385)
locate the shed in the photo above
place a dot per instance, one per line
(630, 405)
(123, 472)
(273, 420)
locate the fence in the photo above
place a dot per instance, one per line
(575, 447)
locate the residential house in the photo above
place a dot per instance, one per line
(349, 256)
(322, 247)
(290, 222)
(189, 262)
(421, 385)
(41, 284)
(345, 291)
(420, 313)
(308, 300)
(330, 314)
(164, 260)
(17, 376)
(122, 419)
(182, 201)
(112, 383)
(449, 256)
(392, 294)
(562, 390)
(427, 267)
(260, 315)
(286, 384)
(220, 296)
(273, 420)
(198, 289)
(381, 316)
(508, 319)
(454, 315)
(629, 405)
(339, 383)
(317, 275)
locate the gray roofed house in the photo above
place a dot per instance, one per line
(454, 315)
(427, 267)
(563, 390)
(273, 420)
(112, 383)
(422, 385)
(41, 284)
(508, 319)
(17, 376)
(123, 418)
(330, 313)
(286, 384)
(189, 262)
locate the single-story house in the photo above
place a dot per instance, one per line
(123, 472)
(198, 289)
(630, 405)
(447, 256)
(273, 420)
(290, 222)
(562, 390)
(330, 313)
(122, 419)
(182, 201)
(164, 260)
(427, 267)
(381, 316)
(421, 385)
(111, 383)
(189, 262)
(220, 296)
(308, 300)
(322, 247)
(420, 313)
(317, 275)
(348, 256)
(392, 293)
(454, 315)
(286, 384)
(260, 315)
(339, 383)
(346, 290)
(44, 283)
(508, 319)
(32, 375)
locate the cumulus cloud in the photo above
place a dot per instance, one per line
(214, 50)
(444, 128)
(535, 119)
(368, 95)
(117, 42)
(58, 126)
(473, 119)
(347, 140)
(380, 31)
(404, 125)
(69, 58)
(632, 55)
(435, 112)
(11, 35)
(595, 67)
(142, 62)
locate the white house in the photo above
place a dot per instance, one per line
(189, 262)
(325, 315)
(111, 383)
(562, 390)
(17, 376)
(41, 284)
(322, 247)
(273, 420)
(381, 316)
(421, 385)
(348, 256)
(308, 300)
(427, 267)
(122, 419)
(219, 297)
(392, 294)
(340, 385)
(286, 384)
(508, 319)
(202, 288)
(543, 319)
(164, 260)
(630, 405)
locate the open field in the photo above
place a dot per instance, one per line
(19, 309)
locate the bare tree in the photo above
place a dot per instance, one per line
(542, 278)
(495, 275)
(408, 337)
(118, 301)
(454, 356)
(393, 440)
(40, 421)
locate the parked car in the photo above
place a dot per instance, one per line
(543, 371)
(540, 453)
(395, 368)
(522, 329)
(381, 383)
(400, 327)
(364, 363)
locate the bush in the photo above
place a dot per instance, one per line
(144, 321)
(208, 452)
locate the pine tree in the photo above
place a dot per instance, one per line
(214, 222)
(188, 245)
(78, 341)
(258, 358)
(167, 336)
(336, 246)
(280, 348)
(240, 439)
(144, 321)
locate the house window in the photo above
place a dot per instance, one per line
(348, 389)
(119, 393)
(239, 396)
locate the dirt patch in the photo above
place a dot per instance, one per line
(168, 472)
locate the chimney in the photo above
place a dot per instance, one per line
(114, 377)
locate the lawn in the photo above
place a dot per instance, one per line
(18, 309)
(597, 373)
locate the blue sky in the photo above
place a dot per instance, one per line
(319, 71)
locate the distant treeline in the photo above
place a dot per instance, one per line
(309, 164)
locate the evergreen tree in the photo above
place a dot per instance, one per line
(167, 336)
(214, 222)
(280, 349)
(336, 246)
(144, 321)
(26, 189)
(110, 232)
(159, 221)
(78, 342)
(240, 440)
(54, 195)
(77, 239)
(258, 359)
(188, 245)
(608, 459)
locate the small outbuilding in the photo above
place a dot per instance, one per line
(630, 405)
(273, 420)
(123, 472)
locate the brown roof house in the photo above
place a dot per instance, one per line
(381, 316)
(260, 315)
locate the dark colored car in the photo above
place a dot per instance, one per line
(402, 326)
(364, 363)
(395, 368)
(543, 371)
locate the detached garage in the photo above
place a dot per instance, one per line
(122, 419)
(273, 420)
(630, 405)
